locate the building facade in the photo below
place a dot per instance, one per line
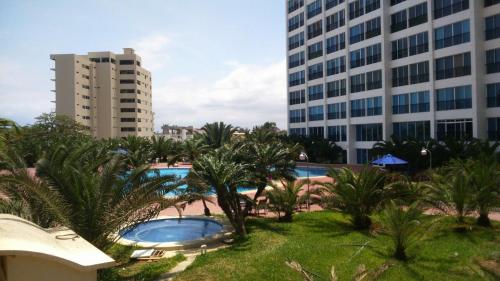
(106, 92)
(178, 133)
(361, 71)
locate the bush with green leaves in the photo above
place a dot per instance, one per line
(405, 225)
(89, 190)
(355, 194)
(285, 197)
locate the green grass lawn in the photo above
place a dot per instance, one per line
(131, 270)
(318, 240)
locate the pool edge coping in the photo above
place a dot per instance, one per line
(225, 232)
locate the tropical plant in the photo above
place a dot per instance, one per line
(404, 190)
(48, 132)
(286, 197)
(136, 150)
(197, 190)
(354, 194)
(163, 149)
(485, 182)
(219, 170)
(267, 161)
(266, 133)
(8, 129)
(192, 148)
(450, 190)
(90, 191)
(318, 149)
(404, 225)
(217, 134)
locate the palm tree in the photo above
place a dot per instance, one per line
(220, 171)
(404, 225)
(217, 134)
(450, 190)
(162, 149)
(284, 198)
(355, 194)
(137, 149)
(7, 129)
(192, 148)
(89, 190)
(485, 182)
(268, 161)
(197, 189)
(267, 133)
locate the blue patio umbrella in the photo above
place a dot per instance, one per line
(389, 160)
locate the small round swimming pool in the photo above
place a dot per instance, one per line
(172, 230)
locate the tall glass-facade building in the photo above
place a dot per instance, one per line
(361, 71)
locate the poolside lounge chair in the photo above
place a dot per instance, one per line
(147, 254)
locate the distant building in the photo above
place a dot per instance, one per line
(361, 71)
(178, 133)
(106, 92)
(29, 252)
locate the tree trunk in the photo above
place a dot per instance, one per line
(229, 203)
(484, 220)
(400, 253)
(206, 209)
(362, 222)
(287, 217)
(258, 193)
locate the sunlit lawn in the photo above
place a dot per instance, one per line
(319, 240)
(129, 270)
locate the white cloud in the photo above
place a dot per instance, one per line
(153, 49)
(248, 95)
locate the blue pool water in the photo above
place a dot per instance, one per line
(171, 230)
(313, 172)
(182, 172)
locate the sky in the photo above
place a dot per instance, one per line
(211, 60)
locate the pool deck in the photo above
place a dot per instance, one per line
(197, 209)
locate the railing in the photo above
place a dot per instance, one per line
(453, 72)
(451, 9)
(336, 92)
(493, 101)
(417, 20)
(420, 78)
(313, 55)
(315, 75)
(400, 81)
(357, 63)
(493, 67)
(314, 33)
(316, 117)
(357, 88)
(374, 85)
(400, 53)
(373, 59)
(418, 49)
(453, 40)
(397, 26)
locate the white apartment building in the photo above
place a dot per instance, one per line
(361, 71)
(109, 93)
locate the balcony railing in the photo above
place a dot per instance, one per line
(493, 67)
(417, 20)
(397, 26)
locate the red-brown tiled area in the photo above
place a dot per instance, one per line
(196, 208)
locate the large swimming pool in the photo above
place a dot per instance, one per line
(182, 172)
(172, 230)
(300, 172)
